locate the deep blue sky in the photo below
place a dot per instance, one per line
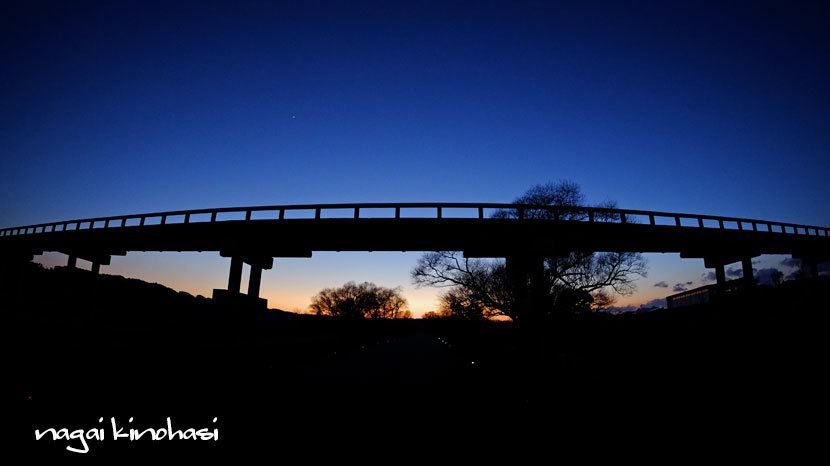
(139, 106)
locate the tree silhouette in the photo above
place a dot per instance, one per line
(363, 301)
(777, 277)
(459, 303)
(578, 282)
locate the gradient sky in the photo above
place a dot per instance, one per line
(127, 107)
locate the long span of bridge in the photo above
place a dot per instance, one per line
(523, 234)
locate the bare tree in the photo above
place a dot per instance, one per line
(565, 194)
(459, 303)
(777, 277)
(578, 282)
(481, 284)
(366, 300)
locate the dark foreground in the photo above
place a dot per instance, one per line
(746, 372)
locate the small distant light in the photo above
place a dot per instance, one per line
(473, 363)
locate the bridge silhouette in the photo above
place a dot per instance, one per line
(523, 234)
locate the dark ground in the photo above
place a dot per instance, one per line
(746, 372)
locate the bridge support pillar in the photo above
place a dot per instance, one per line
(720, 274)
(526, 274)
(235, 276)
(97, 258)
(809, 267)
(254, 281)
(746, 264)
(719, 261)
(233, 296)
(814, 269)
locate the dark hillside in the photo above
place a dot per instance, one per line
(86, 346)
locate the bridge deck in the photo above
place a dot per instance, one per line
(275, 231)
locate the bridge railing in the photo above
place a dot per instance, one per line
(437, 211)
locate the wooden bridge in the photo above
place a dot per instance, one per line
(524, 234)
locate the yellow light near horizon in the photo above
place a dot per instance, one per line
(419, 300)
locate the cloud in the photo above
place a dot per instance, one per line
(734, 273)
(620, 309)
(795, 264)
(790, 262)
(768, 276)
(660, 302)
(690, 283)
(679, 288)
(653, 304)
(708, 276)
(661, 285)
